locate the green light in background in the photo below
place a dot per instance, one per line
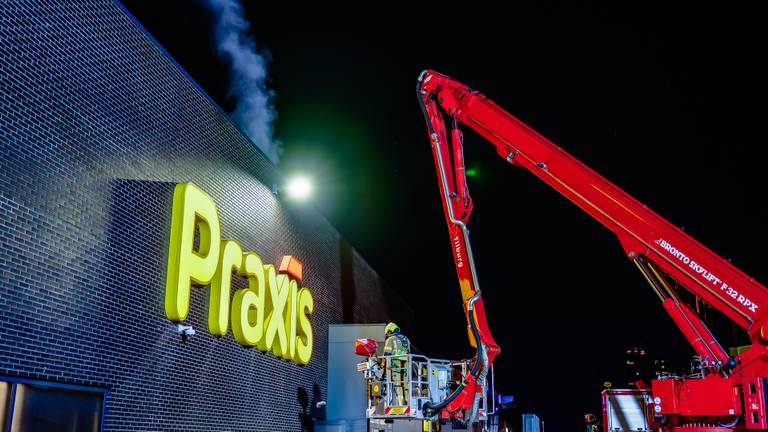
(471, 172)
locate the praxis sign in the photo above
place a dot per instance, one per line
(271, 314)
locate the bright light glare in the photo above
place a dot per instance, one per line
(299, 187)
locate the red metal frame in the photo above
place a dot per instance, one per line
(661, 250)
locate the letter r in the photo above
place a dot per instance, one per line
(230, 259)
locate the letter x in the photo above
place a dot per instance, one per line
(278, 295)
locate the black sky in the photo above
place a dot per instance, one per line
(668, 103)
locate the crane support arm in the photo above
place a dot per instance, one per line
(641, 231)
(725, 392)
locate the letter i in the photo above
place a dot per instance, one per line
(291, 316)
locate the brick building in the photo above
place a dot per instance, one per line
(97, 127)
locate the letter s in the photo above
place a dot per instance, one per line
(304, 337)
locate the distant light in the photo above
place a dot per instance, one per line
(471, 172)
(299, 187)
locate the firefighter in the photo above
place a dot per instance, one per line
(397, 347)
(396, 343)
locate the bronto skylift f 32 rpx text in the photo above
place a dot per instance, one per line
(726, 393)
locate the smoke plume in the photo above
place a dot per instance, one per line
(254, 112)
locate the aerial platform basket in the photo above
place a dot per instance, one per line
(400, 385)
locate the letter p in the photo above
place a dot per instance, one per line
(191, 208)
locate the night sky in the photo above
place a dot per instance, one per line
(667, 103)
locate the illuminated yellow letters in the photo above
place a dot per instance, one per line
(274, 321)
(272, 314)
(248, 304)
(304, 339)
(191, 207)
(218, 309)
(290, 319)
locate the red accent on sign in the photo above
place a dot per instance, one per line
(291, 266)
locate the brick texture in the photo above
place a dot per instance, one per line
(97, 125)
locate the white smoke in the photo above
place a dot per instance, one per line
(254, 112)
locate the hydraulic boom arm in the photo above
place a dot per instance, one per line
(660, 250)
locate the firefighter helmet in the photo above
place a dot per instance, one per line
(391, 329)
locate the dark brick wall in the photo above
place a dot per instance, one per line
(97, 125)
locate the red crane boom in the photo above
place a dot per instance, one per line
(663, 253)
